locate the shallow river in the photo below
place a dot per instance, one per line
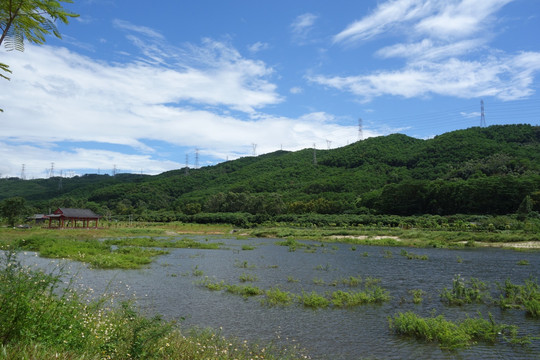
(169, 287)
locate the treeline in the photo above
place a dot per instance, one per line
(494, 170)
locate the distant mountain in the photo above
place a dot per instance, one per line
(477, 171)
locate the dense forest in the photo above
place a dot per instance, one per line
(483, 170)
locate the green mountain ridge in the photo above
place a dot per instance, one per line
(473, 171)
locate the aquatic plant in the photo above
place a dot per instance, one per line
(247, 278)
(351, 281)
(452, 335)
(212, 285)
(276, 296)
(371, 295)
(523, 262)
(248, 247)
(243, 264)
(465, 292)
(313, 300)
(418, 295)
(196, 271)
(412, 256)
(244, 290)
(526, 296)
(323, 267)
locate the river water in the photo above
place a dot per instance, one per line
(169, 287)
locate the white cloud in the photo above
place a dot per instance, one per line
(302, 26)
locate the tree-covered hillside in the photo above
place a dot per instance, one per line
(475, 171)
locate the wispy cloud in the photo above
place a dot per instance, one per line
(302, 26)
(258, 46)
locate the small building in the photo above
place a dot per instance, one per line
(37, 219)
(73, 218)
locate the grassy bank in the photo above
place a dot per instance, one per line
(40, 319)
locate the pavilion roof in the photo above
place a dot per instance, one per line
(76, 213)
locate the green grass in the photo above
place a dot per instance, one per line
(453, 335)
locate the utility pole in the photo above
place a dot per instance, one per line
(187, 165)
(254, 146)
(196, 158)
(482, 115)
(360, 132)
(23, 175)
(314, 154)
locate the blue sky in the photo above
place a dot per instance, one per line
(146, 88)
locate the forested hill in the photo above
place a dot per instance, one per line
(474, 171)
